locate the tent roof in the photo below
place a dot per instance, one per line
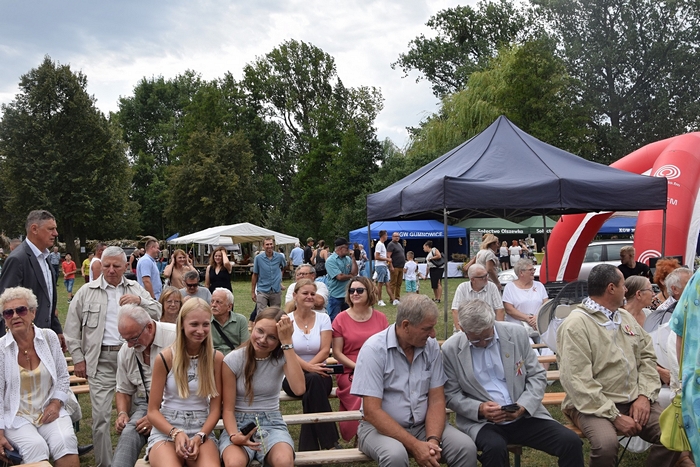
(504, 172)
(234, 233)
(408, 230)
(618, 225)
(493, 225)
(536, 221)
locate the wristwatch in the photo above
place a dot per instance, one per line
(287, 346)
(439, 441)
(202, 436)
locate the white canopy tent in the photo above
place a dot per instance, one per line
(231, 234)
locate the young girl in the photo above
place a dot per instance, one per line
(252, 375)
(185, 401)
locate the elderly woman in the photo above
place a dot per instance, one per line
(664, 267)
(171, 301)
(35, 384)
(639, 294)
(175, 271)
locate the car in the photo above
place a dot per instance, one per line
(599, 252)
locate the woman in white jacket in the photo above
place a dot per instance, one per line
(35, 384)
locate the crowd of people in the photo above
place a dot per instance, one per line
(175, 359)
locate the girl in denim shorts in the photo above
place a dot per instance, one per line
(252, 376)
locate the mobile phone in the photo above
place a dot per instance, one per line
(338, 369)
(248, 428)
(14, 457)
(510, 408)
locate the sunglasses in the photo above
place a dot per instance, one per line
(359, 290)
(20, 310)
(191, 286)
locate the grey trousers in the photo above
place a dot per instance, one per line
(102, 388)
(458, 449)
(131, 441)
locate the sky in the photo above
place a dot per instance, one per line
(115, 44)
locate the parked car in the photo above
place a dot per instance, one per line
(599, 252)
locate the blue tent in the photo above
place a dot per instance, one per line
(413, 230)
(619, 225)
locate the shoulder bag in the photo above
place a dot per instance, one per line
(673, 435)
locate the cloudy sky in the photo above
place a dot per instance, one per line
(117, 43)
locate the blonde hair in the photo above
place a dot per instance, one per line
(181, 361)
(292, 305)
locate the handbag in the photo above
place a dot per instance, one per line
(673, 435)
(438, 263)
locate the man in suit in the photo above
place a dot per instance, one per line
(27, 266)
(495, 386)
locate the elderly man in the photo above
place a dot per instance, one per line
(266, 282)
(307, 271)
(192, 288)
(400, 377)
(55, 261)
(629, 266)
(145, 339)
(27, 267)
(296, 256)
(93, 339)
(147, 272)
(608, 370)
(495, 385)
(395, 252)
(230, 329)
(478, 287)
(340, 268)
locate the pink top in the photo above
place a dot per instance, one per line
(355, 333)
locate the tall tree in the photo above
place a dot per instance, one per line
(466, 38)
(638, 64)
(58, 152)
(329, 135)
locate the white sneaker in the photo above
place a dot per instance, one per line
(396, 302)
(381, 303)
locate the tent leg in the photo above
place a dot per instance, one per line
(369, 252)
(546, 260)
(663, 238)
(446, 274)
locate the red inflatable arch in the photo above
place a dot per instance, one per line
(677, 159)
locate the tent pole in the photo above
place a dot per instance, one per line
(445, 274)
(663, 236)
(370, 256)
(546, 260)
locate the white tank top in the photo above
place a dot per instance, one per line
(173, 401)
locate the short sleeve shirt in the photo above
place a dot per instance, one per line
(269, 271)
(488, 294)
(336, 265)
(235, 328)
(398, 257)
(381, 249)
(147, 267)
(383, 372)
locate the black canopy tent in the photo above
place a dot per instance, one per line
(505, 172)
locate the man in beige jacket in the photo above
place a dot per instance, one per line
(93, 339)
(608, 370)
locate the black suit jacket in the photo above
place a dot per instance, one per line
(21, 268)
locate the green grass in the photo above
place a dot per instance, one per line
(243, 305)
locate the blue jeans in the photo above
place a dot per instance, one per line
(335, 306)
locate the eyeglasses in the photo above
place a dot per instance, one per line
(529, 270)
(134, 340)
(481, 277)
(647, 290)
(8, 313)
(359, 290)
(191, 286)
(476, 341)
(301, 274)
(172, 302)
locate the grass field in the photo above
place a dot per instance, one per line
(244, 305)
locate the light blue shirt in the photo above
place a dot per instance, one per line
(296, 256)
(336, 265)
(269, 271)
(488, 369)
(383, 371)
(146, 268)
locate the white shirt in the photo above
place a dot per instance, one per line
(308, 345)
(111, 334)
(410, 269)
(321, 289)
(488, 294)
(526, 301)
(381, 249)
(92, 261)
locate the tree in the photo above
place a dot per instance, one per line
(211, 183)
(637, 61)
(58, 152)
(329, 134)
(466, 39)
(529, 85)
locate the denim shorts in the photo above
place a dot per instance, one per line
(382, 274)
(191, 421)
(69, 284)
(272, 422)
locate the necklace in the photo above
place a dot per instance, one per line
(27, 357)
(193, 357)
(261, 359)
